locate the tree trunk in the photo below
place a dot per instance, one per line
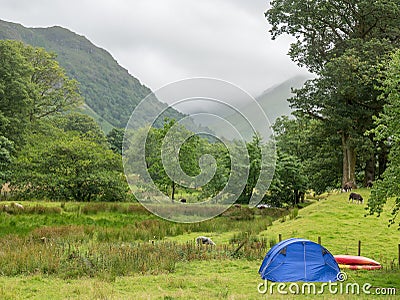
(369, 170)
(382, 159)
(173, 191)
(349, 161)
(296, 198)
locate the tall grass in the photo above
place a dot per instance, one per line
(75, 255)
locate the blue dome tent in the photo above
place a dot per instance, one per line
(299, 260)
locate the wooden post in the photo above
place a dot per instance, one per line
(398, 259)
(319, 240)
(359, 248)
(280, 237)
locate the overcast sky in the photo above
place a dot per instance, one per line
(160, 41)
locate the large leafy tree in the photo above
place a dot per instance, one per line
(84, 125)
(288, 183)
(165, 156)
(255, 160)
(388, 131)
(343, 42)
(15, 88)
(60, 165)
(52, 91)
(308, 142)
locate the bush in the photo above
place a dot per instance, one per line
(239, 214)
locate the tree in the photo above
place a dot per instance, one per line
(344, 43)
(309, 143)
(52, 91)
(220, 153)
(171, 156)
(115, 139)
(64, 166)
(84, 125)
(254, 152)
(288, 183)
(15, 87)
(324, 30)
(177, 162)
(6, 151)
(388, 130)
(32, 86)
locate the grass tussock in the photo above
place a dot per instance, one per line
(74, 258)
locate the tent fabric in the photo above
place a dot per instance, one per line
(299, 260)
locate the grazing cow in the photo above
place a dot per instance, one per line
(237, 205)
(183, 200)
(357, 197)
(348, 186)
(203, 240)
(369, 184)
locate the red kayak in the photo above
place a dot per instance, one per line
(353, 262)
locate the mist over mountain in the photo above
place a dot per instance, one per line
(259, 115)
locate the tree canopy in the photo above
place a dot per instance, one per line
(346, 44)
(387, 130)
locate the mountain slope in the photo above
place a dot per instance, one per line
(109, 90)
(274, 100)
(274, 104)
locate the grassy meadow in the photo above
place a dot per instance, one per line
(68, 250)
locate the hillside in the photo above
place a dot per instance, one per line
(274, 100)
(110, 92)
(341, 225)
(274, 103)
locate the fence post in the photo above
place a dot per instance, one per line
(319, 240)
(359, 248)
(280, 237)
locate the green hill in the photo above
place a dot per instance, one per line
(274, 103)
(341, 225)
(110, 92)
(274, 100)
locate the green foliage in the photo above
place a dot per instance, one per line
(325, 30)
(346, 45)
(66, 167)
(310, 143)
(52, 91)
(115, 139)
(289, 180)
(15, 89)
(82, 124)
(242, 213)
(32, 87)
(6, 150)
(254, 151)
(388, 130)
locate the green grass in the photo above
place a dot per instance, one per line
(102, 250)
(341, 225)
(215, 279)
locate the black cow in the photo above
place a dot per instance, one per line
(369, 184)
(357, 197)
(183, 200)
(348, 186)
